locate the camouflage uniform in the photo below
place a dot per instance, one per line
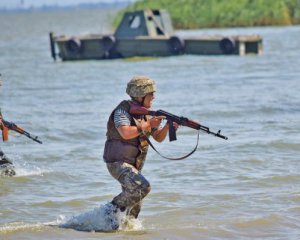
(125, 158)
(134, 187)
(5, 164)
(3, 158)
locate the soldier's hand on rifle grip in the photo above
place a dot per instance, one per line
(156, 121)
(175, 125)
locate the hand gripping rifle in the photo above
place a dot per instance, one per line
(12, 126)
(171, 118)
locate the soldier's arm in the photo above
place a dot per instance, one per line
(1, 123)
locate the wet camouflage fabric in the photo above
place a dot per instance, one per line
(6, 166)
(140, 86)
(134, 187)
(141, 158)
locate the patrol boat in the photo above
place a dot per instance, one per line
(149, 33)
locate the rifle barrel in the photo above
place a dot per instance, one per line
(218, 134)
(27, 134)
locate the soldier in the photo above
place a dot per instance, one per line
(6, 166)
(126, 149)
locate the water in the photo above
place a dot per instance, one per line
(244, 188)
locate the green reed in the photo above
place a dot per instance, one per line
(189, 14)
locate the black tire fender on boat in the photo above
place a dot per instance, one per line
(227, 45)
(73, 45)
(176, 45)
(52, 46)
(108, 43)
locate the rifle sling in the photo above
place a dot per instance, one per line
(169, 158)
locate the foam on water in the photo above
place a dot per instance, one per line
(24, 170)
(101, 219)
(19, 226)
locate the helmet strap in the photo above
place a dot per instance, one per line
(143, 100)
(139, 102)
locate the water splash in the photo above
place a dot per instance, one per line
(129, 224)
(25, 169)
(7, 170)
(23, 172)
(101, 219)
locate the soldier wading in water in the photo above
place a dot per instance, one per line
(126, 149)
(6, 166)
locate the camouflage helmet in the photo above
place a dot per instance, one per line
(140, 86)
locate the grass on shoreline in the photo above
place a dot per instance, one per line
(190, 14)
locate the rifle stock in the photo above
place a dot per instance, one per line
(171, 118)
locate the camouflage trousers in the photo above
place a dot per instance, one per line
(4, 159)
(134, 187)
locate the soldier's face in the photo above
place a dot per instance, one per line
(148, 100)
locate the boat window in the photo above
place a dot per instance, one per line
(134, 21)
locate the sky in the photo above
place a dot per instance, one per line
(9, 4)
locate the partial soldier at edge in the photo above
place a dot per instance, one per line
(6, 166)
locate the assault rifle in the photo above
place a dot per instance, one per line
(12, 126)
(171, 118)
